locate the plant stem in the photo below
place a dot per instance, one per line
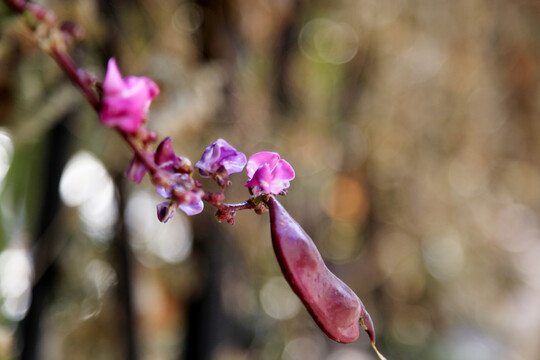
(67, 64)
(150, 165)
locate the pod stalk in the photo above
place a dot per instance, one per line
(367, 325)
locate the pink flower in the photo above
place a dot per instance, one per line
(125, 101)
(268, 173)
(220, 156)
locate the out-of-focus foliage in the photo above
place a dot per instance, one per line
(413, 127)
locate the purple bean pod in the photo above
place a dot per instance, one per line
(336, 309)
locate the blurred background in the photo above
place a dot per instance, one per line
(414, 130)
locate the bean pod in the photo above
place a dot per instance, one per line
(333, 305)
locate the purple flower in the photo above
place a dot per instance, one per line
(125, 101)
(219, 157)
(268, 173)
(193, 205)
(180, 192)
(181, 196)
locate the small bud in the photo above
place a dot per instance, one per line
(136, 170)
(87, 77)
(72, 31)
(225, 215)
(145, 135)
(165, 211)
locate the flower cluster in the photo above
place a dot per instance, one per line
(124, 105)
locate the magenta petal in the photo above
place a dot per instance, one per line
(257, 160)
(125, 101)
(283, 171)
(261, 181)
(113, 82)
(152, 88)
(277, 187)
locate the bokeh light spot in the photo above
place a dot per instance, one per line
(443, 254)
(16, 274)
(153, 241)
(278, 300)
(345, 199)
(328, 41)
(6, 153)
(85, 183)
(297, 349)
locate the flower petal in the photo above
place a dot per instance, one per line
(218, 154)
(165, 211)
(113, 81)
(165, 155)
(258, 159)
(236, 163)
(193, 208)
(261, 181)
(136, 170)
(125, 100)
(161, 191)
(283, 171)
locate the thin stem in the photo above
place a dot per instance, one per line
(236, 207)
(150, 165)
(68, 65)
